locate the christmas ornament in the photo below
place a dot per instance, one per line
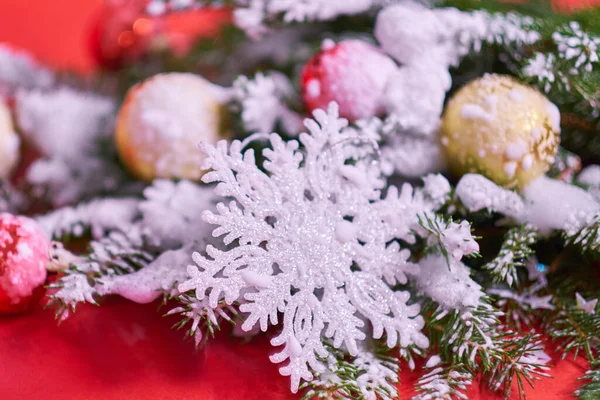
(9, 143)
(162, 121)
(502, 129)
(23, 258)
(123, 32)
(352, 73)
(409, 32)
(568, 6)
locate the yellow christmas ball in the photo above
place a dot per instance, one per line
(9, 143)
(163, 119)
(502, 129)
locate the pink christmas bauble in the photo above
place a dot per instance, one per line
(23, 258)
(352, 73)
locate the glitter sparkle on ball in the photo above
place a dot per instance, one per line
(502, 129)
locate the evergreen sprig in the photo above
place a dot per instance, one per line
(446, 237)
(591, 390)
(204, 320)
(587, 239)
(577, 330)
(445, 383)
(516, 360)
(117, 253)
(476, 339)
(574, 328)
(515, 250)
(373, 373)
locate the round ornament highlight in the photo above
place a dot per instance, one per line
(162, 121)
(502, 129)
(23, 259)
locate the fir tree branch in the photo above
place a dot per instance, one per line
(447, 237)
(515, 250)
(476, 339)
(573, 328)
(205, 320)
(73, 288)
(99, 216)
(445, 383)
(586, 239)
(115, 254)
(371, 374)
(517, 360)
(591, 390)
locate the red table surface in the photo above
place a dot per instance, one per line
(123, 350)
(127, 351)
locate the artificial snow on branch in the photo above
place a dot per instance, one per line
(261, 102)
(371, 374)
(451, 239)
(443, 382)
(448, 282)
(204, 318)
(138, 253)
(547, 204)
(99, 216)
(18, 70)
(515, 251)
(69, 127)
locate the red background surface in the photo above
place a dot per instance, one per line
(127, 351)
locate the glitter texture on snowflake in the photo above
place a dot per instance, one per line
(313, 239)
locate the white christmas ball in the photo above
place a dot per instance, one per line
(162, 121)
(407, 32)
(415, 95)
(9, 143)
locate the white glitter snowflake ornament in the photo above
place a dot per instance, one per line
(311, 239)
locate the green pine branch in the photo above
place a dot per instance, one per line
(591, 389)
(115, 254)
(449, 382)
(587, 239)
(575, 329)
(436, 228)
(200, 319)
(373, 373)
(476, 339)
(515, 250)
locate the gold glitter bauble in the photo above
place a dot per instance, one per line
(502, 129)
(163, 119)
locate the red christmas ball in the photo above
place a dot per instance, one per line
(123, 32)
(23, 258)
(352, 73)
(569, 6)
